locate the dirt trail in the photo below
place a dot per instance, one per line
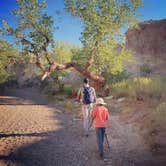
(35, 133)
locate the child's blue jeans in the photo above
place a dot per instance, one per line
(100, 138)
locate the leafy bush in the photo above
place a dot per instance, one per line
(52, 88)
(68, 90)
(141, 88)
(8, 55)
(153, 92)
(145, 70)
(123, 89)
(113, 78)
(49, 88)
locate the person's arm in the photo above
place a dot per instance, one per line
(93, 115)
(79, 95)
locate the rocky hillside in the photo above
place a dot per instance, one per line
(148, 41)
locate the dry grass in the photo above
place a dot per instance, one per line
(151, 117)
(154, 129)
(150, 90)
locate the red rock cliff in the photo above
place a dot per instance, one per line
(148, 41)
(148, 38)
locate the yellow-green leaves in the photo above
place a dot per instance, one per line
(103, 22)
(7, 55)
(62, 52)
(34, 28)
(101, 17)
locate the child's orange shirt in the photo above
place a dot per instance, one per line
(100, 115)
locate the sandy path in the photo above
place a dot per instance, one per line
(34, 134)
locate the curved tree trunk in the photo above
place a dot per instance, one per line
(98, 80)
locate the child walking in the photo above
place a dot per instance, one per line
(100, 116)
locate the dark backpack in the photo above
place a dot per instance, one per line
(88, 96)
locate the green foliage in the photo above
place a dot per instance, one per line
(34, 26)
(102, 18)
(49, 88)
(109, 60)
(103, 21)
(80, 56)
(114, 78)
(56, 87)
(148, 89)
(145, 70)
(62, 52)
(68, 90)
(7, 56)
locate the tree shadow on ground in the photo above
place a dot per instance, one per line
(66, 146)
(26, 96)
(56, 148)
(63, 146)
(43, 134)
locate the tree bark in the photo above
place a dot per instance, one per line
(99, 80)
(91, 57)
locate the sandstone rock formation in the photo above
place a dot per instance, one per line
(148, 41)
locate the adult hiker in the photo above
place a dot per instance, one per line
(86, 96)
(100, 117)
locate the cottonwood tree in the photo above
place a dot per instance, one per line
(8, 56)
(103, 21)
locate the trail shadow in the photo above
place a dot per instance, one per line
(18, 101)
(43, 134)
(58, 148)
(66, 146)
(63, 146)
(26, 96)
(7, 158)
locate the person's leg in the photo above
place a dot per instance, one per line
(89, 107)
(84, 115)
(102, 133)
(86, 118)
(102, 137)
(99, 140)
(90, 114)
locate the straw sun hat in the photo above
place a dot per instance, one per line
(100, 101)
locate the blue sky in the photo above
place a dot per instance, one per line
(69, 27)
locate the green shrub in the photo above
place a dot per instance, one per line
(49, 88)
(145, 70)
(147, 89)
(118, 77)
(123, 89)
(68, 90)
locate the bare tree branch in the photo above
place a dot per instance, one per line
(77, 67)
(91, 57)
(39, 65)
